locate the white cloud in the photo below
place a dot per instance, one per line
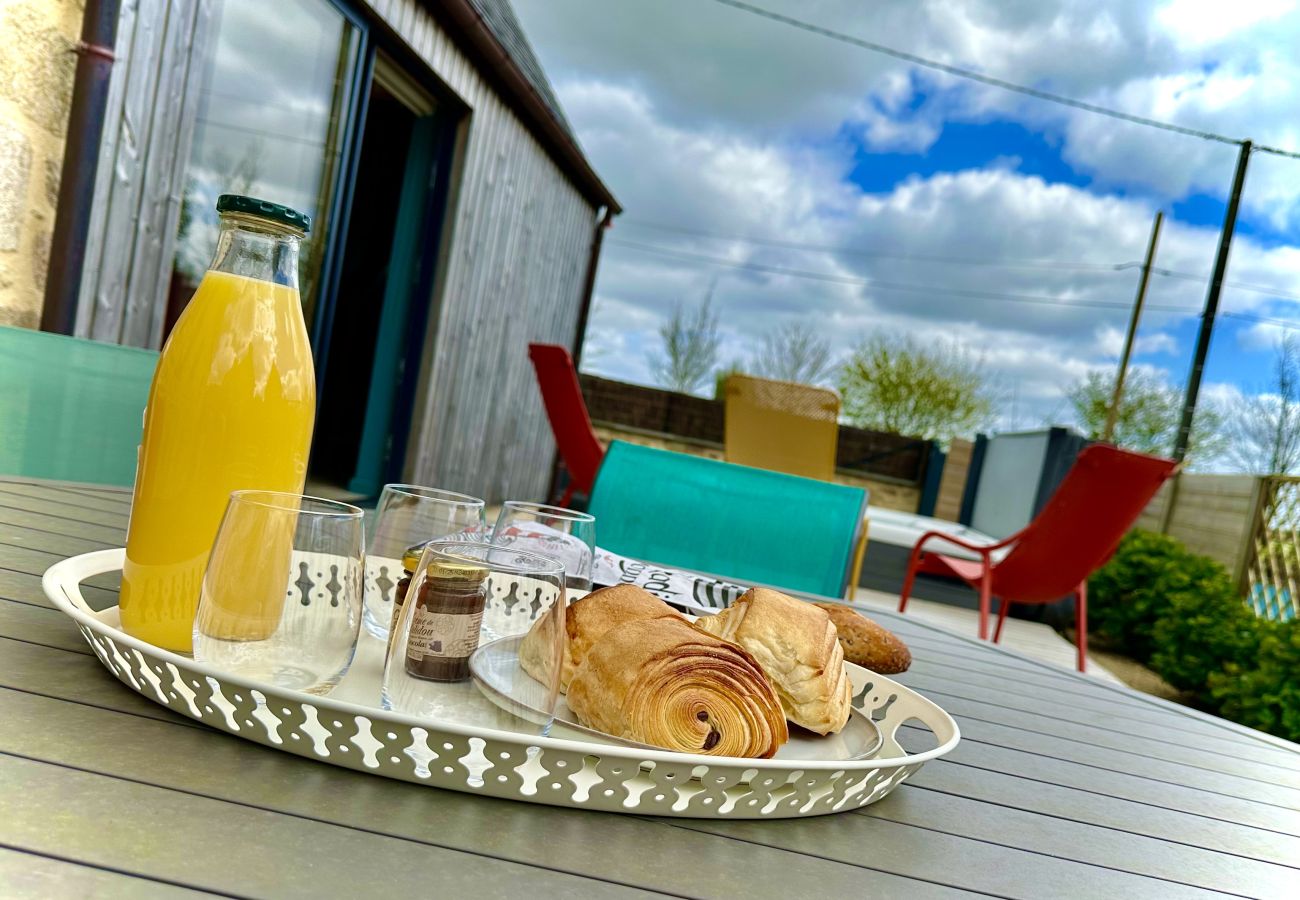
(1110, 341)
(726, 124)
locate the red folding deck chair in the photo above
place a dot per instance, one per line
(1075, 533)
(567, 411)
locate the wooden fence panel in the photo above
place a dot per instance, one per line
(952, 485)
(1213, 515)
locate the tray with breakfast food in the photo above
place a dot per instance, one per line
(763, 710)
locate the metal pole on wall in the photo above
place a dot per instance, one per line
(1113, 413)
(77, 177)
(1211, 305)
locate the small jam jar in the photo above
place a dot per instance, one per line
(410, 560)
(446, 621)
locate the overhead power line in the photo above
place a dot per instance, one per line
(1238, 285)
(972, 75)
(1263, 320)
(993, 262)
(931, 290)
(1003, 262)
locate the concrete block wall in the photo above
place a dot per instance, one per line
(36, 69)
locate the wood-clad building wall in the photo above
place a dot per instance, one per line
(514, 272)
(512, 259)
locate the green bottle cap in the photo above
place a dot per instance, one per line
(263, 209)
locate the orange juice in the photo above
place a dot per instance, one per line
(231, 407)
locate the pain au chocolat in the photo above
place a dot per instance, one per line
(663, 682)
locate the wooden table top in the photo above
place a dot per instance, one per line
(1062, 786)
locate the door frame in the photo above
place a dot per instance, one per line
(402, 316)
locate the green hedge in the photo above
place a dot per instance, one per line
(1180, 614)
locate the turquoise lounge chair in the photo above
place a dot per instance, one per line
(752, 526)
(71, 409)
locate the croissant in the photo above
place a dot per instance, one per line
(665, 683)
(586, 622)
(797, 646)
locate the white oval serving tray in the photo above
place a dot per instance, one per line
(499, 763)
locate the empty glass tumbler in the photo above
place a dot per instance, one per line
(480, 638)
(407, 515)
(562, 534)
(281, 596)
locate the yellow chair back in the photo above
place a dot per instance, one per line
(782, 426)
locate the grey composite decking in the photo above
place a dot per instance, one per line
(1062, 786)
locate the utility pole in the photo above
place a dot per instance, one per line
(1211, 304)
(1115, 399)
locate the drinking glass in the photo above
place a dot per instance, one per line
(281, 597)
(408, 515)
(480, 638)
(562, 534)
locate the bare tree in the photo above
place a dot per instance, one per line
(895, 384)
(1265, 429)
(794, 353)
(690, 348)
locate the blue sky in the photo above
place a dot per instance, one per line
(748, 137)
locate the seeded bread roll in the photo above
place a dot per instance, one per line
(866, 643)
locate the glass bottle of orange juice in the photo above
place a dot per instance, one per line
(231, 407)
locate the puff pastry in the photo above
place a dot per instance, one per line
(797, 646)
(586, 622)
(663, 682)
(866, 643)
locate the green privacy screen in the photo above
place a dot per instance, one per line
(71, 409)
(749, 525)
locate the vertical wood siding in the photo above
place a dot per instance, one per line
(146, 144)
(520, 235)
(517, 239)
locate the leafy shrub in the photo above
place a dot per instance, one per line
(1265, 693)
(1200, 632)
(1133, 591)
(1180, 614)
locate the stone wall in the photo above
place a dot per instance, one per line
(36, 69)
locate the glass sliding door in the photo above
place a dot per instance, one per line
(277, 97)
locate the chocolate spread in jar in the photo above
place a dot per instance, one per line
(410, 562)
(446, 620)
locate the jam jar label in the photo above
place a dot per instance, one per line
(446, 635)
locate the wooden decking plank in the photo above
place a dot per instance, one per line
(1155, 752)
(999, 737)
(116, 504)
(1208, 741)
(55, 509)
(28, 876)
(1143, 786)
(1082, 696)
(1183, 862)
(28, 561)
(992, 657)
(24, 588)
(11, 518)
(40, 625)
(624, 849)
(1097, 809)
(216, 845)
(977, 865)
(63, 545)
(59, 674)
